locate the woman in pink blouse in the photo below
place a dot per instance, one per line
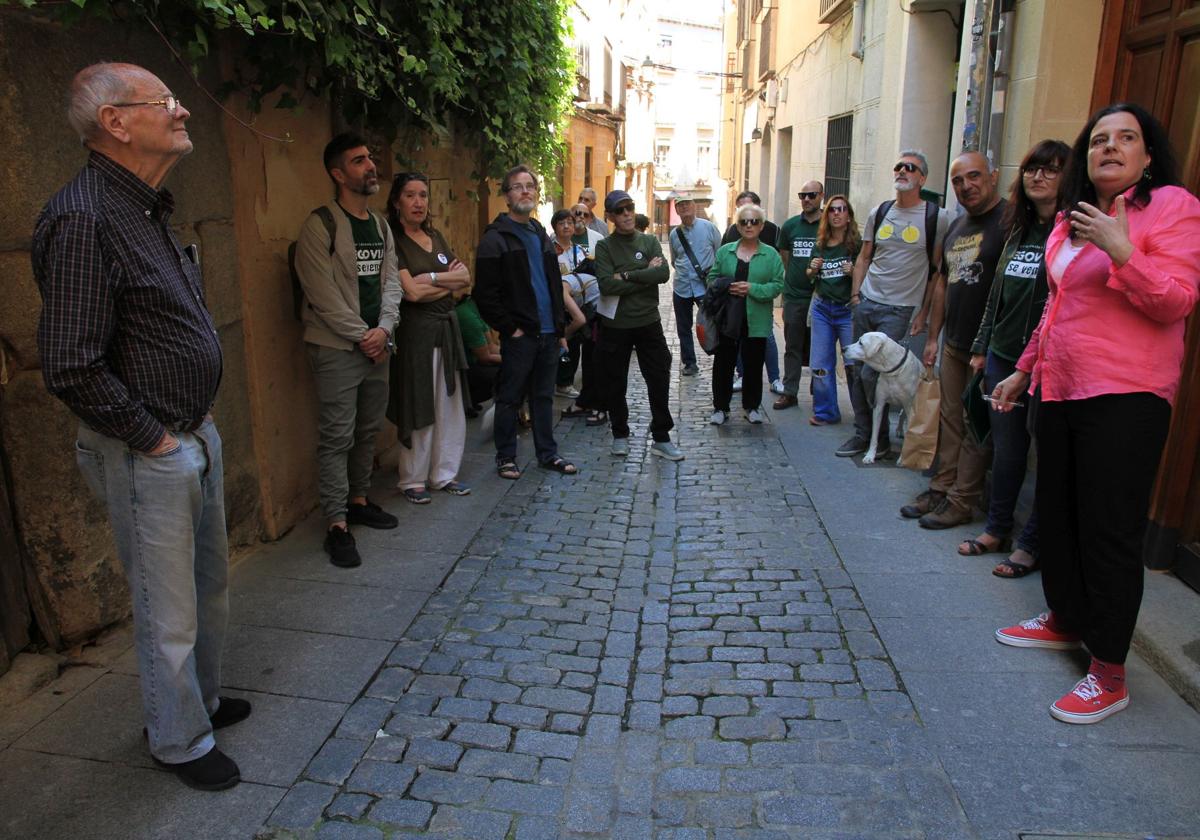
(1124, 272)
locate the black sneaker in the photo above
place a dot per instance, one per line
(212, 771)
(371, 515)
(339, 542)
(232, 710)
(855, 446)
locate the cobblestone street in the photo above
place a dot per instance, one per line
(647, 650)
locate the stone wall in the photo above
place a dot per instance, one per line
(242, 197)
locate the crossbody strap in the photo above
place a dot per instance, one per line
(691, 255)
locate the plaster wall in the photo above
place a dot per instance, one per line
(582, 133)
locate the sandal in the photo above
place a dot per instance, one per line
(975, 548)
(417, 497)
(576, 411)
(560, 465)
(817, 421)
(1012, 571)
(508, 469)
(598, 418)
(455, 488)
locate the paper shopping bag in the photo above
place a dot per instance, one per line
(920, 440)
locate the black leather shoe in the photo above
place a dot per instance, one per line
(212, 771)
(371, 515)
(232, 710)
(342, 552)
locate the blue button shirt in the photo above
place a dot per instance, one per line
(705, 239)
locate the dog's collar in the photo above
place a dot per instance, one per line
(903, 359)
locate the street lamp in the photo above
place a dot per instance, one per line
(756, 134)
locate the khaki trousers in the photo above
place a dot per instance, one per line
(962, 463)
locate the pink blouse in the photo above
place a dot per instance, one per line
(1109, 330)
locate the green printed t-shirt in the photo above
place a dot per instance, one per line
(368, 248)
(833, 283)
(797, 238)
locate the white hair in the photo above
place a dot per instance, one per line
(94, 87)
(746, 209)
(919, 155)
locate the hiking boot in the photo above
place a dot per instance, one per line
(855, 446)
(945, 515)
(339, 543)
(1090, 702)
(371, 515)
(924, 503)
(1036, 633)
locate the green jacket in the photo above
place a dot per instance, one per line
(639, 294)
(766, 283)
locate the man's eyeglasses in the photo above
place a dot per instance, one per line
(579, 214)
(524, 186)
(905, 166)
(749, 222)
(808, 195)
(170, 102)
(1047, 171)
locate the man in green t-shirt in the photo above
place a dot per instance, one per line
(346, 261)
(797, 238)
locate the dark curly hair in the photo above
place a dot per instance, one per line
(1162, 171)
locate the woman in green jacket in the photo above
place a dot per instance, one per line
(753, 274)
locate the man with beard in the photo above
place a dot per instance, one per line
(346, 262)
(519, 291)
(902, 250)
(797, 238)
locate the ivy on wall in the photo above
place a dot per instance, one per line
(499, 70)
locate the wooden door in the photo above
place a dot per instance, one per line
(15, 614)
(1150, 54)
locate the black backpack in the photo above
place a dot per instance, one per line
(297, 290)
(931, 218)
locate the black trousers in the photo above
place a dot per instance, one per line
(1097, 461)
(754, 353)
(615, 347)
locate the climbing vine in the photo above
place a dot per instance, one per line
(501, 70)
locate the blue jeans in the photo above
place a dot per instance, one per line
(683, 327)
(772, 359)
(831, 325)
(1010, 451)
(528, 366)
(168, 520)
(892, 321)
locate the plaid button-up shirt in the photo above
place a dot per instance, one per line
(125, 338)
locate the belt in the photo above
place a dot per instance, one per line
(184, 426)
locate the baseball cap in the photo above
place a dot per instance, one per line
(614, 198)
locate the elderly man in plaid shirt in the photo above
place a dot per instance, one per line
(128, 344)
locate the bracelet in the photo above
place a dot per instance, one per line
(433, 278)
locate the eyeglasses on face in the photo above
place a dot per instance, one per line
(624, 208)
(1047, 171)
(169, 102)
(578, 214)
(749, 222)
(839, 208)
(905, 166)
(808, 195)
(523, 186)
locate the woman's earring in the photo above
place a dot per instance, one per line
(1146, 176)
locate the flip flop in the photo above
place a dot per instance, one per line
(1015, 570)
(598, 418)
(576, 411)
(560, 465)
(975, 548)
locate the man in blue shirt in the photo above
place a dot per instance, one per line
(702, 238)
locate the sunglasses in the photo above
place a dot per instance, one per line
(905, 166)
(579, 214)
(624, 208)
(836, 209)
(808, 195)
(750, 222)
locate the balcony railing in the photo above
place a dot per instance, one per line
(831, 10)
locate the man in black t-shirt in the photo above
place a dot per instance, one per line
(972, 249)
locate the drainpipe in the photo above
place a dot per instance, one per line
(1006, 20)
(856, 29)
(975, 110)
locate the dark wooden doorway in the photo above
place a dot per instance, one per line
(1150, 54)
(15, 612)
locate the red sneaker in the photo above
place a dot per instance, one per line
(1089, 702)
(1035, 633)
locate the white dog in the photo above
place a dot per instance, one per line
(899, 374)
